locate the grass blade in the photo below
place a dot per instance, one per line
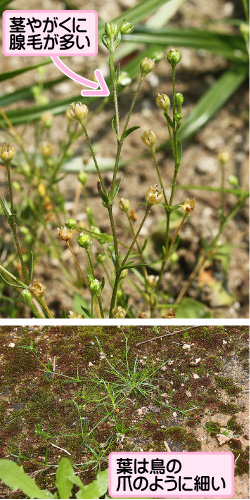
(231, 47)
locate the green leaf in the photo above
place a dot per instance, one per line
(63, 483)
(5, 207)
(226, 45)
(223, 254)
(144, 246)
(16, 72)
(191, 308)
(10, 284)
(116, 190)
(168, 120)
(97, 488)
(117, 72)
(179, 152)
(176, 244)
(140, 11)
(15, 477)
(79, 302)
(113, 125)
(86, 312)
(129, 131)
(102, 283)
(26, 92)
(4, 4)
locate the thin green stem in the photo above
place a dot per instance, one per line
(118, 273)
(115, 240)
(93, 274)
(94, 157)
(84, 279)
(169, 251)
(45, 307)
(12, 223)
(136, 235)
(210, 250)
(222, 187)
(114, 85)
(120, 141)
(152, 148)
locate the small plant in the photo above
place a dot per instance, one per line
(15, 477)
(115, 262)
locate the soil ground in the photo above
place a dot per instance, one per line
(227, 131)
(56, 399)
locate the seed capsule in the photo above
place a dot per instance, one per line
(7, 152)
(154, 195)
(84, 241)
(118, 312)
(149, 138)
(146, 66)
(79, 111)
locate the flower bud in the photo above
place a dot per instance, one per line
(124, 205)
(146, 65)
(64, 233)
(188, 206)
(152, 280)
(79, 111)
(71, 223)
(223, 157)
(100, 257)
(111, 30)
(47, 119)
(126, 27)
(96, 231)
(95, 287)
(118, 312)
(123, 274)
(149, 138)
(37, 289)
(174, 257)
(233, 180)
(173, 57)
(82, 177)
(69, 115)
(179, 99)
(16, 186)
(153, 195)
(163, 102)
(84, 241)
(47, 150)
(110, 248)
(7, 153)
(26, 296)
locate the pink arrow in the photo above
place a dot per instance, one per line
(102, 91)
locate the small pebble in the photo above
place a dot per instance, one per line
(207, 165)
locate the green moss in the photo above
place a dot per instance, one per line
(235, 444)
(234, 426)
(180, 435)
(213, 362)
(227, 383)
(192, 443)
(242, 464)
(229, 408)
(243, 353)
